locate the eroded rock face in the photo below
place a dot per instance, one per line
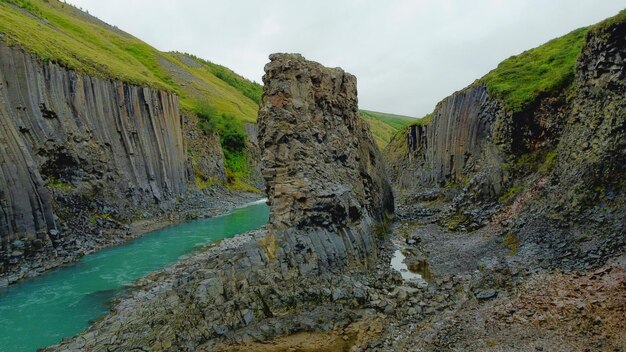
(304, 271)
(82, 156)
(455, 146)
(321, 165)
(558, 164)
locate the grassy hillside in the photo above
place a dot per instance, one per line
(55, 31)
(384, 126)
(398, 144)
(223, 100)
(59, 32)
(520, 79)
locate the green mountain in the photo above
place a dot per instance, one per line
(384, 126)
(60, 32)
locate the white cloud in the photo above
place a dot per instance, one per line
(407, 55)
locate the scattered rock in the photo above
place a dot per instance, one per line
(486, 294)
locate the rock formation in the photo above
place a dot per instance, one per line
(457, 144)
(562, 156)
(327, 189)
(323, 171)
(79, 151)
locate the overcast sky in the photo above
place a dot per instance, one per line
(407, 55)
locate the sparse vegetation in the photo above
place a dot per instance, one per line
(382, 228)
(510, 193)
(455, 222)
(549, 162)
(512, 242)
(206, 182)
(59, 185)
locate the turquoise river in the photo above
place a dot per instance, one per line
(41, 311)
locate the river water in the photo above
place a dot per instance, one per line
(41, 311)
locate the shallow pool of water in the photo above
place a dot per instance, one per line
(398, 263)
(41, 311)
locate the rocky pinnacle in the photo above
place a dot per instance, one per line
(321, 165)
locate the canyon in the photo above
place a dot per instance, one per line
(494, 223)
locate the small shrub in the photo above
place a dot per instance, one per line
(456, 221)
(510, 193)
(382, 228)
(549, 163)
(208, 182)
(59, 185)
(512, 242)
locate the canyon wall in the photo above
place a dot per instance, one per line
(454, 146)
(78, 150)
(306, 270)
(554, 171)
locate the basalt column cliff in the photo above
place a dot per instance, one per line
(327, 189)
(79, 152)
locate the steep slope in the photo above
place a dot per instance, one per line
(224, 101)
(58, 32)
(81, 156)
(497, 109)
(384, 126)
(96, 136)
(53, 30)
(544, 133)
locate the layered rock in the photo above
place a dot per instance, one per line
(322, 169)
(326, 187)
(78, 150)
(456, 145)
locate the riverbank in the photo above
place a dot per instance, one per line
(110, 233)
(43, 310)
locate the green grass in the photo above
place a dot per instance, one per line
(55, 31)
(58, 32)
(512, 242)
(510, 194)
(384, 126)
(609, 22)
(248, 88)
(393, 120)
(398, 145)
(519, 80)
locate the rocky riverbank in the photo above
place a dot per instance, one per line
(329, 198)
(106, 232)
